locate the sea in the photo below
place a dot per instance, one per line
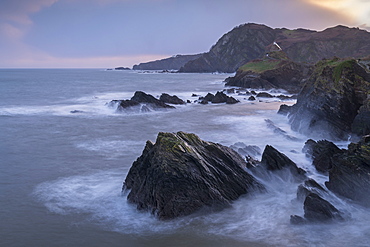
(64, 154)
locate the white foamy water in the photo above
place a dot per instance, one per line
(62, 172)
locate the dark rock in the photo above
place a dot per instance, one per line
(209, 97)
(361, 123)
(76, 111)
(264, 95)
(251, 98)
(309, 186)
(231, 100)
(273, 160)
(350, 174)
(181, 174)
(321, 153)
(220, 97)
(253, 92)
(144, 102)
(319, 210)
(142, 97)
(329, 102)
(122, 68)
(284, 109)
(166, 98)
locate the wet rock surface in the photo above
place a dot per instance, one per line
(180, 174)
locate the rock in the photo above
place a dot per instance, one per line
(231, 100)
(220, 97)
(166, 98)
(309, 186)
(319, 210)
(122, 68)
(180, 174)
(321, 153)
(140, 100)
(329, 102)
(361, 123)
(284, 109)
(350, 173)
(251, 98)
(273, 160)
(269, 73)
(264, 95)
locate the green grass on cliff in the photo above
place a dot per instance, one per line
(259, 66)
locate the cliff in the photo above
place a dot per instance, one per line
(249, 41)
(334, 103)
(274, 70)
(171, 63)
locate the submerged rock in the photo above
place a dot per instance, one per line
(180, 174)
(219, 97)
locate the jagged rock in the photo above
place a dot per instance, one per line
(350, 174)
(321, 153)
(273, 160)
(329, 102)
(284, 109)
(220, 97)
(309, 186)
(140, 99)
(166, 98)
(180, 174)
(318, 209)
(264, 95)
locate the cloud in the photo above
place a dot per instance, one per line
(357, 11)
(18, 11)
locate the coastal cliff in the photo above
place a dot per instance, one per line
(249, 41)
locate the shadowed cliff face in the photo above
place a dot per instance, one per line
(330, 101)
(249, 41)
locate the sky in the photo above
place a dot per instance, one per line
(112, 33)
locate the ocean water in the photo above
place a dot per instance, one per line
(61, 173)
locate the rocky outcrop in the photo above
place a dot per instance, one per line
(142, 101)
(317, 209)
(166, 98)
(219, 97)
(171, 63)
(273, 160)
(180, 174)
(321, 153)
(329, 102)
(273, 71)
(350, 174)
(250, 41)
